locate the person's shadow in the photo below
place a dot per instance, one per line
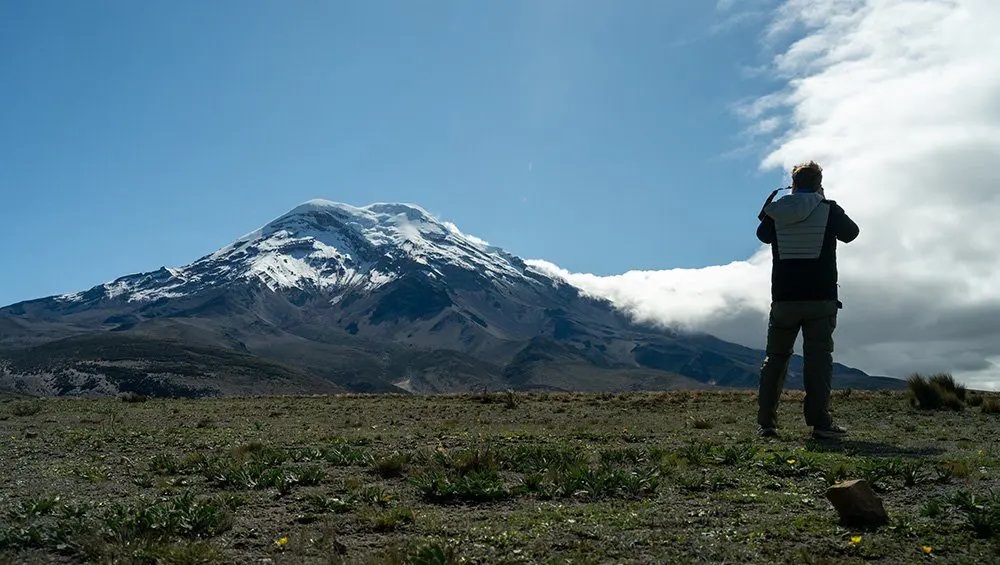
(869, 448)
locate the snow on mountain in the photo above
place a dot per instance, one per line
(327, 246)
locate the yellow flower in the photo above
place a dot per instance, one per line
(927, 549)
(855, 540)
(281, 542)
(790, 461)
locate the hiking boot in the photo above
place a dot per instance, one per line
(833, 431)
(767, 432)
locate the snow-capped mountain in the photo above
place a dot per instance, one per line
(327, 246)
(331, 297)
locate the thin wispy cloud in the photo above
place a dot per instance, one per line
(739, 6)
(897, 100)
(733, 14)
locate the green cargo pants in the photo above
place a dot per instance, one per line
(817, 320)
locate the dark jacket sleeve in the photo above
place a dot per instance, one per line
(765, 231)
(844, 227)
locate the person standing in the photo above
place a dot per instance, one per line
(802, 229)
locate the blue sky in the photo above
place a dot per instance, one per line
(600, 136)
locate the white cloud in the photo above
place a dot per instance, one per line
(766, 126)
(454, 229)
(898, 100)
(737, 13)
(723, 6)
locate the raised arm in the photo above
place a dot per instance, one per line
(844, 227)
(765, 231)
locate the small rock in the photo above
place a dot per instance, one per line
(857, 504)
(30, 435)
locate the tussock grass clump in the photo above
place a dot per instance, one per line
(343, 454)
(696, 452)
(433, 554)
(982, 513)
(391, 465)
(257, 474)
(184, 517)
(310, 475)
(164, 464)
(549, 471)
(947, 382)
(990, 406)
(837, 471)
(481, 460)
(320, 504)
(197, 552)
(738, 454)
(938, 392)
(89, 532)
(882, 472)
(34, 507)
(167, 464)
(470, 475)
(624, 456)
(933, 508)
(251, 466)
(538, 458)
(26, 408)
(33, 532)
(475, 486)
(879, 472)
(508, 398)
(700, 423)
(258, 453)
(911, 471)
(193, 463)
(391, 520)
(421, 553)
(372, 494)
(607, 482)
(587, 482)
(951, 469)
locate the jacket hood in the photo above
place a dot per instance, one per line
(793, 208)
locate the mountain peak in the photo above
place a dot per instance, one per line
(381, 222)
(332, 247)
(377, 211)
(412, 211)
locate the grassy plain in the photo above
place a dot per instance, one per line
(536, 478)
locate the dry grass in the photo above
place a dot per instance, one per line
(532, 478)
(937, 392)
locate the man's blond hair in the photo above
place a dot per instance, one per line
(807, 177)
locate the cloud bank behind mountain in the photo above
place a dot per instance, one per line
(897, 99)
